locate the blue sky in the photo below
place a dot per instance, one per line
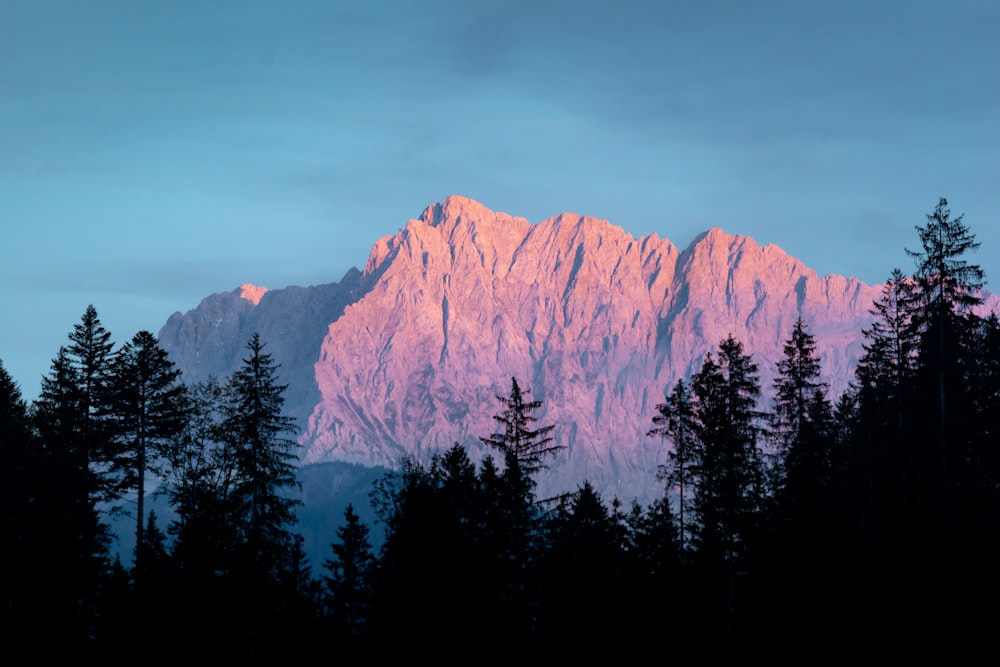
(153, 153)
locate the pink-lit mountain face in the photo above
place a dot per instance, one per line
(408, 356)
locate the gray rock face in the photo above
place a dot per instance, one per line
(211, 339)
(407, 357)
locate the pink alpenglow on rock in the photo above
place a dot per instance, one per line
(252, 293)
(407, 357)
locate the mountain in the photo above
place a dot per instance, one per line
(408, 356)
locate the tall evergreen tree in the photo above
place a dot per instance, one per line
(349, 582)
(207, 538)
(583, 568)
(731, 480)
(145, 411)
(232, 479)
(198, 479)
(264, 459)
(69, 418)
(804, 536)
(802, 423)
(984, 392)
(950, 288)
(888, 364)
(22, 481)
(523, 447)
(730, 486)
(879, 455)
(675, 421)
(447, 540)
(91, 355)
(75, 555)
(911, 417)
(950, 284)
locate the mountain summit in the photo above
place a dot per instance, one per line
(408, 356)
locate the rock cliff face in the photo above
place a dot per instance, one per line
(407, 357)
(211, 339)
(597, 323)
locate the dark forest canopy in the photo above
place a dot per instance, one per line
(789, 519)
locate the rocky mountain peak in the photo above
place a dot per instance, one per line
(408, 356)
(596, 322)
(252, 293)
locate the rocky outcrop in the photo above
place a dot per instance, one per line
(211, 339)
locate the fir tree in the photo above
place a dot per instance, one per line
(804, 534)
(90, 354)
(729, 489)
(199, 477)
(69, 418)
(145, 411)
(349, 582)
(523, 447)
(675, 421)
(802, 422)
(950, 289)
(264, 459)
(583, 572)
(730, 484)
(949, 282)
(24, 540)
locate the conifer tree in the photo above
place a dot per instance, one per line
(199, 476)
(69, 418)
(655, 565)
(523, 447)
(675, 421)
(155, 559)
(75, 539)
(911, 418)
(207, 551)
(19, 470)
(949, 283)
(729, 489)
(91, 355)
(804, 536)
(583, 571)
(349, 582)
(984, 392)
(801, 422)
(877, 415)
(888, 364)
(257, 505)
(731, 475)
(447, 539)
(145, 410)
(950, 289)
(264, 459)
(22, 480)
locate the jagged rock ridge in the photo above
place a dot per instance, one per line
(211, 339)
(596, 322)
(407, 356)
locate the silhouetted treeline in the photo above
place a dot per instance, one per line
(792, 525)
